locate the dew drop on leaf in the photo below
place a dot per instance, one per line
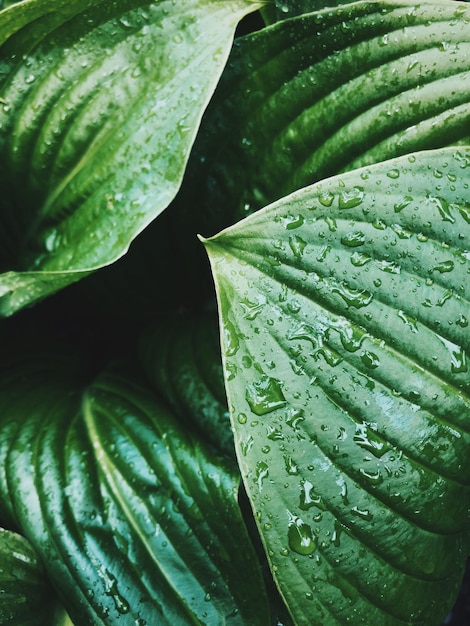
(351, 198)
(353, 239)
(300, 536)
(370, 359)
(265, 395)
(262, 472)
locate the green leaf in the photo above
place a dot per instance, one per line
(350, 299)
(25, 594)
(181, 356)
(327, 92)
(285, 9)
(135, 521)
(99, 106)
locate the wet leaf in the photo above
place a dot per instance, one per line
(327, 92)
(99, 106)
(350, 299)
(135, 520)
(26, 596)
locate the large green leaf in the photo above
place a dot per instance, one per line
(321, 93)
(345, 312)
(25, 594)
(99, 106)
(135, 521)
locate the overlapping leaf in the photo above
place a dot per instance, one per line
(135, 521)
(25, 594)
(321, 93)
(345, 314)
(181, 356)
(99, 106)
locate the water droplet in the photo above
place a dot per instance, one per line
(300, 536)
(362, 513)
(353, 297)
(389, 266)
(232, 371)
(290, 222)
(358, 259)
(351, 336)
(399, 206)
(297, 245)
(373, 477)
(241, 418)
(445, 266)
(351, 198)
(444, 208)
(262, 472)
(370, 359)
(265, 395)
(393, 173)
(252, 309)
(308, 498)
(409, 321)
(290, 465)
(111, 589)
(366, 437)
(231, 340)
(458, 357)
(326, 199)
(295, 417)
(246, 444)
(353, 239)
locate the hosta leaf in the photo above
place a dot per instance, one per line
(330, 91)
(135, 521)
(285, 9)
(344, 310)
(181, 356)
(99, 106)
(25, 594)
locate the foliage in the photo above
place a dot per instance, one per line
(293, 448)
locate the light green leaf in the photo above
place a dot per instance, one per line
(26, 597)
(327, 92)
(135, 521)
(181, 357)
(99, 106)
(344, 311)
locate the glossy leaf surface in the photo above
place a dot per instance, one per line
(318, 94)
(135, 521)
(181, 356)
(25, 594)
(345, 312)
(99, 106)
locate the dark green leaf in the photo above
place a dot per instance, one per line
(181, 356)
(135, 521)
(284, 9)
(26, 597)
(345, 311)
(322, 93)
(99, 106)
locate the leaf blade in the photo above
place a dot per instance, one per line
(87, 127)
(349, 417)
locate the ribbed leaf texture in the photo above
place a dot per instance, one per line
(326, 92)
(99, 105)
(134, 520)
(344, 312)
